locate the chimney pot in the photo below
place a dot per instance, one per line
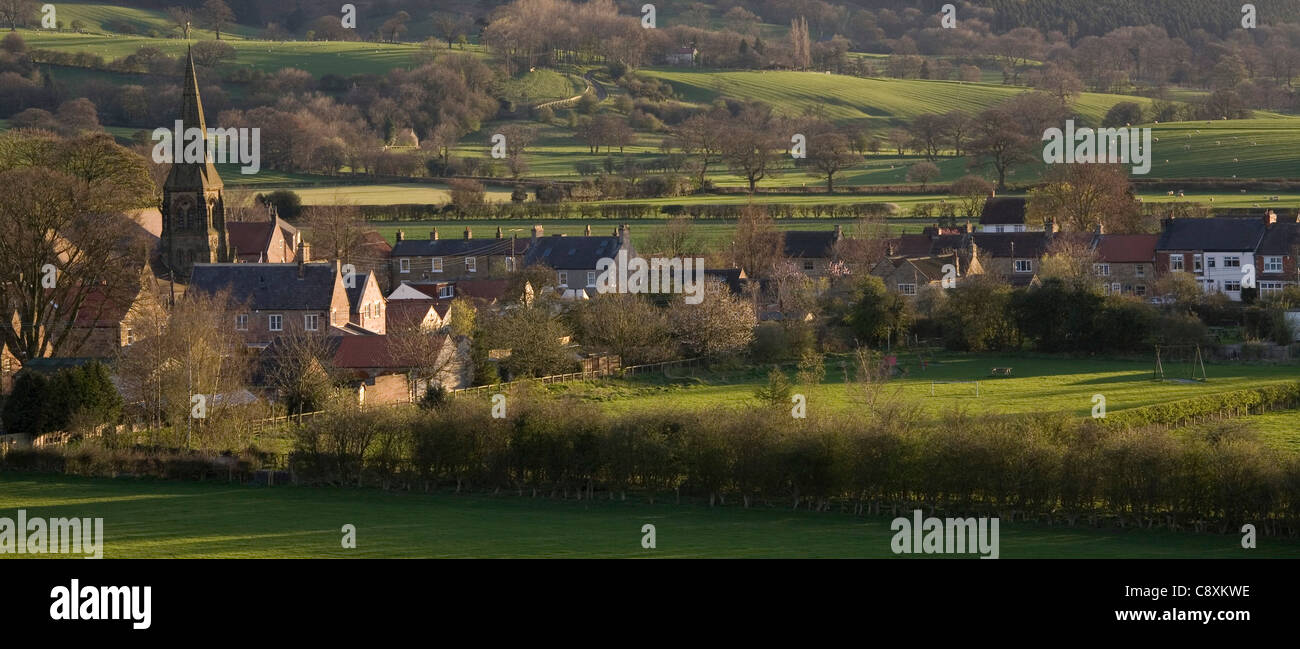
(588, 231)
(537, 231)
(468, 234)
(498, 232)
(401, 236)
(433, 234)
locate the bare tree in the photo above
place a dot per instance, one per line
(701, 138)
(16, 12)
(216, 14)
(757, 245)
(55, 249)
(335, 231)
(182, 18)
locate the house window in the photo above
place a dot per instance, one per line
(807, 265)
(1267, 288)
(510, 264)
(1105, 289)
(1139, 270)
(241, 322)
(275, 322)
(311, 322)
(1024, 266)
(437, 264)
(1176, 263)
(907, 289)
(1231, 285)
(564, 278)
(997, 228)
(1211, 261)
(1272, 264)
(1196, 263)
(1140, 289)
(446, 292)
(1101, 269)
(404, 265)
(591, 278)
(1232, 262)
(471, 265)
(130, 336)
(1115, 289)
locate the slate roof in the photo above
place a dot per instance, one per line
(1020, 245)
(809, 243)
(358, 287)
(732, 277)
(1127, 248)
(1003, 210)
(571, 253)
(459, 247)
(271, 286)
(1219, 233)
(1280, 239)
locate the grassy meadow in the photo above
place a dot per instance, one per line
(156, 519)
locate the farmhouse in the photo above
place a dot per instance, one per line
(907, 275)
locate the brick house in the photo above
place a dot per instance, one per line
(275, 241)
(1277, 254)
(436, 259)
(378, 378)
(279, 298)
(1213, 250)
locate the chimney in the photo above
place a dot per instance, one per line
(1270, 218)
(1049, 226)
(1100, 229)
(304, 251)
(498, 232)
(401, 236)
(588, 231)
(625, 234)
(839, 232)
(969, 229)
(433, 234)
(302, 262)
(468, 234)
(537, 231)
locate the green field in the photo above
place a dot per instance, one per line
(155, 519)
(317, 57)
(853, 99)
(1037, 384)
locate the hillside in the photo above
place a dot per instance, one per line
(844, 98)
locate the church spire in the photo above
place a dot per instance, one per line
(191, 103)
(193, 175)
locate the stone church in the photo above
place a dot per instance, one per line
(193, 212)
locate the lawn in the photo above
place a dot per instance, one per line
(156, 519)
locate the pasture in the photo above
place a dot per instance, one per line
(1037, 384)
(157, 519)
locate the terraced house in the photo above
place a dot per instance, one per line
(438, 259)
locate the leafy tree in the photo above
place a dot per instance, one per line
(876, 313)
(26, 410)
(777, 391)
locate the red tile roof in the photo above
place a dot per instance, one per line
(1127, 248)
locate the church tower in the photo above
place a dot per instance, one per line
(193, 214)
